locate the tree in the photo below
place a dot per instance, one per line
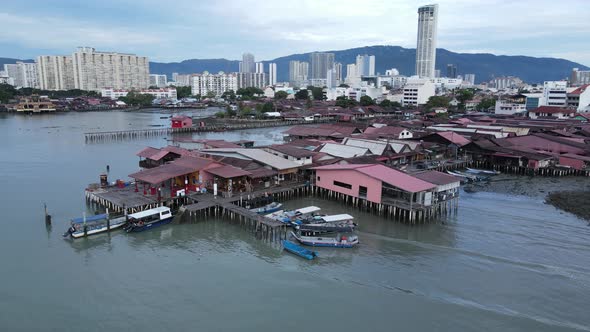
(245, 111)
(249, 93)
(281, 95)
(268, 107)
(316, 92)
(220, 115)
(7, 92)
(486, 104)
(367, 101)
(464, 95)
(229, 95)
(137, 99)
(302, 94)
(210, 94)
(386, 103)
(183, 92)
(229, 111)
(345, 102)
(343, 85)
(437, 101)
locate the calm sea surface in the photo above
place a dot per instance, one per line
(504, 263)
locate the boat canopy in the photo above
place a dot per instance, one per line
(150, 212)
(337, 217)
(308, 209)
(89, 219)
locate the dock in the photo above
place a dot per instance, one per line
(97, 137)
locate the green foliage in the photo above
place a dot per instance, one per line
(249, 93)
(229, 95)
(7, 92)
(464, 95)
(210, 95)
(268, 107)
(344, 85)
(386, 103)
(317, 93)
(137, 99)
(302, 94)
(437, 101)
(367, 101)
(281, 95)
(485, 104)
(345, 102)
(183, 92)
(229, 111)
(220, 115)
(246, 111)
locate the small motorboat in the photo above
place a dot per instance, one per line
(149, 219)
(298, 250)
(482, 171)
(269, 208)
(86, 226)
(337, 241)
(288, 217)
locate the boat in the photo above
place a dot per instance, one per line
(298, 250)
(326, 228)
(86, 226)
(149, 219)
(269, 208)
(288, 217)
(482, 171)
(337, 241)
(326, 219)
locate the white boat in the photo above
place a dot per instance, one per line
(336, 219)
(149, 219)
(289, 216)
(338, 241)
(269, 208)
(100, 223)
(482, 171)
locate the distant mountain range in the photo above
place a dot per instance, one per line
(485, 66)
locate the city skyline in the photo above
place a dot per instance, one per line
(165, 33)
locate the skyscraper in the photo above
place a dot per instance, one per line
(426, 48)
(338, 68)
(247, 65)
(259, 67)
(365, 65)
(298, 72)
(272, 73)
(24, 74)
(451, 71)
(320, 64)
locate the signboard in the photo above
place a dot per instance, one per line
(215, 189)
(428, 199)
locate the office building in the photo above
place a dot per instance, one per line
(217, 84)
(56, 72)
(24, 75)
(451, 71)
(579, 77)
(338, 69)
(506, 82)
(181, 79)
(272, 73)
(158, 80)
(320, 64)
(256, 80)
(555, 93)
(417, 91)
(298, 72)
(426, 46)
(365, 65)
(95, 70)
(248, 65)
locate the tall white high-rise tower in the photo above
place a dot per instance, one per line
(426, 48)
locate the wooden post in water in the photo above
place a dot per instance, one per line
(47, 215)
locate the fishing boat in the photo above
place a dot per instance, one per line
(269, 208)
(288, 217)
(326, 219)
(86, 226)
(482, 171)
(298, 250)
(149, 219)
(337, 241)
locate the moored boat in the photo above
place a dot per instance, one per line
(86, 226)
(269, 208)
(337, 241)
(482, 171)
(298, 250)
(149, 219)
(288, 217)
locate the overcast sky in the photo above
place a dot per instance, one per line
(188, 29)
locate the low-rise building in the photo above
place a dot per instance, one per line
(579, 99)
(509, 108)
(551, 112)
(165, 93)
(297, 155)
(417, 91)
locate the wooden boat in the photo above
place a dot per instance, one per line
(149, 219)
(341, 223)
(86, 226)
(337, 241)
(326, 219)
(269, 208)
(298, 250)
(289, 216)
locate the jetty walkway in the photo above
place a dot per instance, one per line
(94, 137)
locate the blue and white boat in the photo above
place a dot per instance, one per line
(86, 226)
(298, 250)
(149, 219)
(288, 217)
(337, 241)
(269, 208)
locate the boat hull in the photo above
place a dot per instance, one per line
(297, 250)
(77, 235)
(324, 242)
(145, 227)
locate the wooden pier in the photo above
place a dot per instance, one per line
(96, 137)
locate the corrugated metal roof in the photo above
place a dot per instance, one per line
(227, 172)
(147, 152)
(291, 151)
(143, 214)
(344, 151)
(257, 155)
(376, 147)
(438, 178)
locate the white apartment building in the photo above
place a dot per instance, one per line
(580, 77)
(298, 72)
(202, 84)
(181, 79)
(256, 80)
(508, 108)
(94, 70)
(555, 93)
(426, 47)
(56, 72)
(5, 79)
(446, 83)
(24, 75)
(272, 73)
(352, 74)
(579, 98)
(365, 65)
(158, 80)
(506, 82)
(469, 79)
(166, 93)
(417, 91)
(392, 72)
(259, 67)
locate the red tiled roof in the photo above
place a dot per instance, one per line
(579, 90)
(388, 175)
(552, 110)
(435, 177)
(147, 152)
(161, 173)
(454, 138)
(262, 172)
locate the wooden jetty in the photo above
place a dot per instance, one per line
(94, 137)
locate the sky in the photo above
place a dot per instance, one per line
(168, 31)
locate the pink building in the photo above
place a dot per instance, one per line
(182, 121)
(375, 183)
